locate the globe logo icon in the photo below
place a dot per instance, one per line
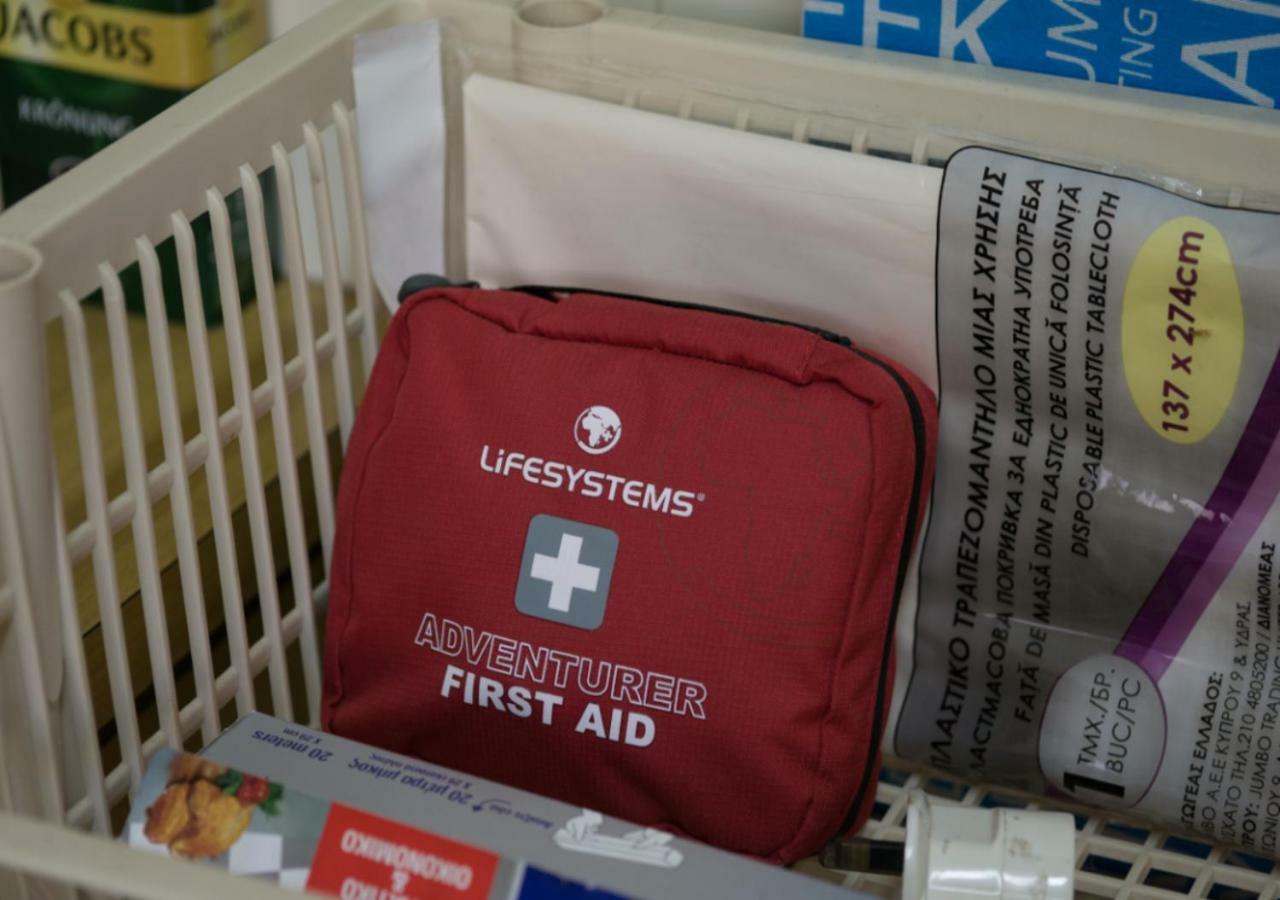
(598, 430)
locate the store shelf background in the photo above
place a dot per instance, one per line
(291, 107)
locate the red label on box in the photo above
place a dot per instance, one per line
(365, 857)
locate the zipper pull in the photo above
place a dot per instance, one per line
(417, 283)
(550, 294)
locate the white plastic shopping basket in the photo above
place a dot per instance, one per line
(167, 519)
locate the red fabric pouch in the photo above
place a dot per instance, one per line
(640, 556)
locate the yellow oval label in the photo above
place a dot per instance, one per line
(1183, 330)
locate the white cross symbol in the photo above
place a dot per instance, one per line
(565, 573)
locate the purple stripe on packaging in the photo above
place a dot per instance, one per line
(1214, 543)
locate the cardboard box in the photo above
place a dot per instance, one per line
(335, 815)
(76, 76)
(1220, 49)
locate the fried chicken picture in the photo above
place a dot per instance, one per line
(205, 808)
(169, 815)
(217, 823)
(192, 768)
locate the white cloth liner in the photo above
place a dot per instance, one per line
(400, 102)
(563, 190)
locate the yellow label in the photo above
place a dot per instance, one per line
(165, 50)
(1183, 330)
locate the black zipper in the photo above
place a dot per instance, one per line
(553, 294)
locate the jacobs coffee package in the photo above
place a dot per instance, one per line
(76, 75)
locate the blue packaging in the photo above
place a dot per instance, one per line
(1219, 49)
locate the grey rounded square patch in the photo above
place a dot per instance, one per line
(566, 571)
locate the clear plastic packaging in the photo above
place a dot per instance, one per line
(1096, 614)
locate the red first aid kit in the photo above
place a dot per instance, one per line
(641, 556)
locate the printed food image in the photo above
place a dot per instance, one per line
(192, 768)
(205, 807)
(170, 815)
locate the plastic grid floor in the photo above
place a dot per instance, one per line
(1115, 856)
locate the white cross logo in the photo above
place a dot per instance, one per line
(565, 573)
(583, 564)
